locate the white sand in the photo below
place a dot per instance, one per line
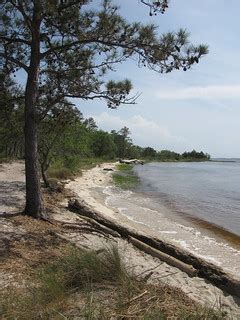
(197, 288)
(12, 187)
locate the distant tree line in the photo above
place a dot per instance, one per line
(65, 137)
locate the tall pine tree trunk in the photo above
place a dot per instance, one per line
(34, 200)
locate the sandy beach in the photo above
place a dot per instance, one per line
(12, 187)
(88, 188)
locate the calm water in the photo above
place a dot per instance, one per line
(209, 191)
(193, 205)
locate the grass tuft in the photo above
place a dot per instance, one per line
(67, 169)
(82, 268)
(89, 285)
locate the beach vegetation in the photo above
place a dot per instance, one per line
(149, 153)
(97, 285)
(125, 181)
(124, 167)
(103, 145)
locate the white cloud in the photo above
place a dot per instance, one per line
(207, 92)
(144, 132)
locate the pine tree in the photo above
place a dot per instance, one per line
(65, 49)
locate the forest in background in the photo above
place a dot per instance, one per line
(67, 139)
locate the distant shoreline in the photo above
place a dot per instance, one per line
(232, 161)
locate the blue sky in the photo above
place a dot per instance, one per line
(184, 110)
(198, 109)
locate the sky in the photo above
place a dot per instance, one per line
(198, 109)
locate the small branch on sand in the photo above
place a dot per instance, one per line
(137, 297)
(96, 225)
(149, 270)
(10, 215)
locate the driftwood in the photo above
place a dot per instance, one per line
(164, 257)
(205, 269)
(131, 161)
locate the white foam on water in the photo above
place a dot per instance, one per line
(183, 243)
(134, 207)
(168, 232)
(210, 259)
(122, 210)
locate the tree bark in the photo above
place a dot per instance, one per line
(34, 200)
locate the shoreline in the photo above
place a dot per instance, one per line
(91, 188)
(217, 230)
(87, 189)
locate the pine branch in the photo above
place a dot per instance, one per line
(15, 61)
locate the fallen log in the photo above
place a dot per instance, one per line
(205, 269)
(164, 257)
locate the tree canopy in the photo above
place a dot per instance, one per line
(66, 49)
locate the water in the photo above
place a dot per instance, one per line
(209, 191)
(193, 205)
